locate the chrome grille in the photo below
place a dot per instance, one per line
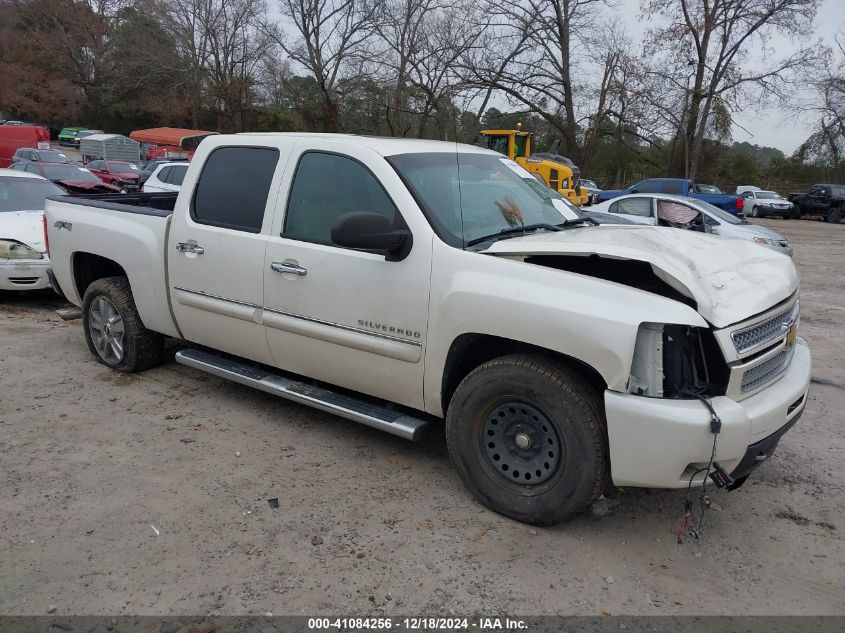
(767, 370)
(772, 328)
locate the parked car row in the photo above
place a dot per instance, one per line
(733, 204)
(688, 213)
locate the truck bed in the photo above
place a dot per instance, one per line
(157, 204)
(129, 230)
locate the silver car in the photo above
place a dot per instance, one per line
(654, 208)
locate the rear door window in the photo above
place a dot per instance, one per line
(177, 174)
(233, 187)
(633, 206)
(164, 175)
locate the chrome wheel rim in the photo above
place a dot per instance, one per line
(107, 331)
(521, 443)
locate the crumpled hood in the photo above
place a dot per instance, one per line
(25, 227)
(86, 185)
(730, 280)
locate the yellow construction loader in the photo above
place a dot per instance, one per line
(558, 172)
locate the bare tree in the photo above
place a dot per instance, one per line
(424, 40)
(538, 55)
(714, 38)
(824, 107)
(222, 44)
(330, 43)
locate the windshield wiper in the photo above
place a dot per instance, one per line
(514, 231)
(577, 221)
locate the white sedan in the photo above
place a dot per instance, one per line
(166, 177)
(23, 251)
(682, 212)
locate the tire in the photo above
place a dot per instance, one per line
(754, 212)
(551, 407)
(796, 215)
(107, 303)
(834, 216)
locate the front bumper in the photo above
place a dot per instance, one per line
(786, 250)
(764, 210)
(660, 443)
(25, 274)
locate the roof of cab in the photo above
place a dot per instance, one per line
(386, 146)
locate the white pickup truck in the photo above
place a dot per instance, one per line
(399, 283)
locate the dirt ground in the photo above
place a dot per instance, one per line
(148, 494)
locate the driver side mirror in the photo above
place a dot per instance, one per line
(635, 190)
(371, 232)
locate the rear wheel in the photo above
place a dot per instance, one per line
(113, 328)
(834, 216)
(527, 437)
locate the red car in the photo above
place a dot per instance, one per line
(72, 178)
(120, 173)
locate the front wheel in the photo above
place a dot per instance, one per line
(834, 216)
(527, 436)
(754, 212)
(113, 329)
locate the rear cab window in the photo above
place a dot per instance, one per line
(673, 187)
(648, 186)
(233, 188)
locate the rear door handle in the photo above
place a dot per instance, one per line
(190, 247)
(289, 267)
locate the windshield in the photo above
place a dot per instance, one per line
(25, 194)
(68, 172)
(838, 191)
(767, 195)
(720, 215)
(53, 156)
(467, 196)
(123, 167)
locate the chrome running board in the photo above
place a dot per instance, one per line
(349, 407)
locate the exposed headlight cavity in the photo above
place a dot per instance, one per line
(677, 361)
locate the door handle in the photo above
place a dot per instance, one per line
(190, 247)
(289, 267)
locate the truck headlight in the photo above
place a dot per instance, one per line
(765, 241)
(12, 249)
(677, 361)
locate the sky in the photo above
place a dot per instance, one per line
(767, 124)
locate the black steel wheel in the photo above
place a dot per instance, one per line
(527, 436)
(521, 443)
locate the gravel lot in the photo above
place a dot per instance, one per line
(148, 494)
